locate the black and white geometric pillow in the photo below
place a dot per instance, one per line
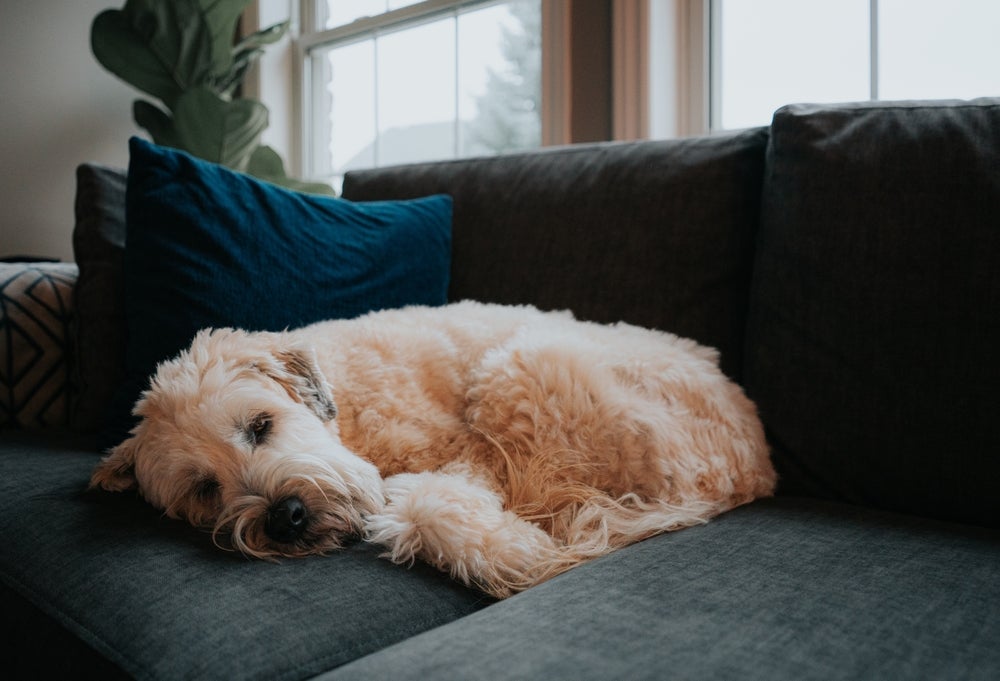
(36, 307)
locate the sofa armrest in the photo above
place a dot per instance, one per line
(36, 310)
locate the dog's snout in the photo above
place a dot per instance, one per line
(286, 520)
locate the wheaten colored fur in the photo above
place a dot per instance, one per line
(500, 444)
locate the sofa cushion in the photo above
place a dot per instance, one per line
(786, 588)
(658, 234)
(873, 328)
(207, 246)
(160, 601)
(99, 296)
(36, 309)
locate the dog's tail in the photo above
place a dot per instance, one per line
(455, 522)
(602, 524)
(584, 522)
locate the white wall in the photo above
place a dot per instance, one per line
(58, 108)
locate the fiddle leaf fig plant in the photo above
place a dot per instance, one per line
(183, 53)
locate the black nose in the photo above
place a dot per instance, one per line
(286, 520)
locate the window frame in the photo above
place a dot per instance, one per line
(630, 101)
(310, 37)
(660, 82)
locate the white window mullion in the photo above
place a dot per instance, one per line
(320, 137)
(873, 49)
(455, 75)
(377, 104)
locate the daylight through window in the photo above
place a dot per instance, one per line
(766, 53)
(392, 85)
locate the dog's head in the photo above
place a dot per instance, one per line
(238, 435)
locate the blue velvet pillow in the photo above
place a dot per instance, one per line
(207, 246)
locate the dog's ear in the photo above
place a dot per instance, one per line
(301, 377)
(116, 471)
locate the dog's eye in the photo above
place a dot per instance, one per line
(258, 428)
(207, 489)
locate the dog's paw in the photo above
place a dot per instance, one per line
(456, 524)
(435, 517)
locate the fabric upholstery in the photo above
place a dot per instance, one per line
(873, 333)
(787, 588)
(158, 599)
(658, 234)
(210, 247)
(99, 295)
(36, 309)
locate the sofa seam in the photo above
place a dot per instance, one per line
(381, 644)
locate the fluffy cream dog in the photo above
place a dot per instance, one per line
(500, 444)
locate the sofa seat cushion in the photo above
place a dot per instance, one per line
(159, 600)
(787, 588)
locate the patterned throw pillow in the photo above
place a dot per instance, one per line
(36, 306)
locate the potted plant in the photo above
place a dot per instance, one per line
(184, 54)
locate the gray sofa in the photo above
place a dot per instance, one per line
(845, 261)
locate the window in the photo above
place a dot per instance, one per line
(389, 81)
(766, 53)
(416, 81)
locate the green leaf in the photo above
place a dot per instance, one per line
(244, 54)
(265, 36)
(157, 122)
(220, 17)
(305, 187)
(123, 52)
(227, 84)
(266, 164)
(164, 47)
(176, 34)
(219, 130)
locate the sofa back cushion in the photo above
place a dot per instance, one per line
(873, 344)
(99, 298)
(658, 234)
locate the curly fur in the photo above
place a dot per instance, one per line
(500, 444)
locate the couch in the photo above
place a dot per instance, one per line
(844, 260)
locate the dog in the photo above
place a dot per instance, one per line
(500, 444)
